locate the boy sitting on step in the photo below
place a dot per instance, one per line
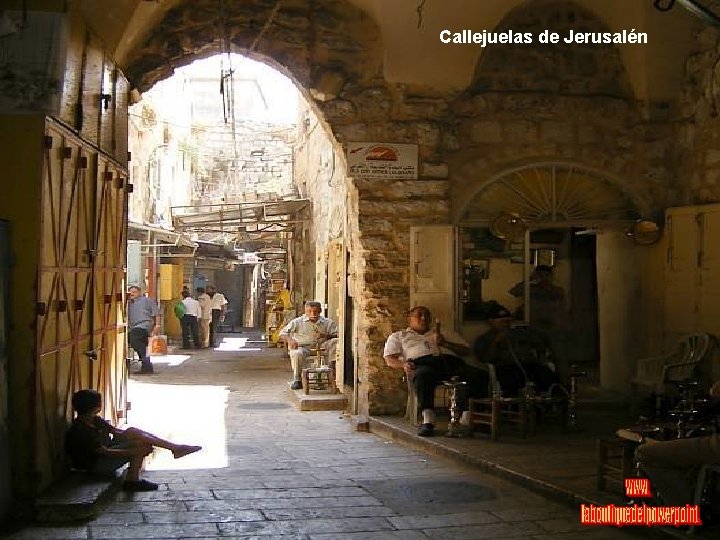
(96, 446)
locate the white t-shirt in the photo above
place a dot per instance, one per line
(217, 301)
(192, 306)
(410, 344)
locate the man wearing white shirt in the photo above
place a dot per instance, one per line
(218, 306)
(189, 321)
(429, 357)
(305, 332)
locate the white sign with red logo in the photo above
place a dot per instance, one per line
(382, 160)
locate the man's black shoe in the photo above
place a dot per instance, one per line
(426, 430)
(296, 385)
(146, 371)
(139, 485)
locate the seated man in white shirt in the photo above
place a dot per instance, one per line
(304, 332)
(430, 357)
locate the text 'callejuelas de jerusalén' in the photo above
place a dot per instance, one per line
(485, 38)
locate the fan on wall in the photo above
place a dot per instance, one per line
(644, 232)
(508, 226)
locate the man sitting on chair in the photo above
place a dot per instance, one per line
(307, 331)
(429, 357)
(516, 353)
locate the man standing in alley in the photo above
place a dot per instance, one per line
(218, 306)
(143, 320)
(205, 316)
(308, 330)
(190, 321)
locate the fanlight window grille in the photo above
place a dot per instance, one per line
(547, 194)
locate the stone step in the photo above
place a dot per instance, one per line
(319, 401)
(75, 497)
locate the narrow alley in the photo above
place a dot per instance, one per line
(268, 470)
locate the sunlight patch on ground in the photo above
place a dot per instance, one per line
(232, 344)
(184, 414)
(170, 359)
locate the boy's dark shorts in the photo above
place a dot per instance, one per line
(108, 464)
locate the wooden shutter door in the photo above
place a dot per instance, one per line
(109, 283)
(64, 288)
(80, 337)
(432, 271)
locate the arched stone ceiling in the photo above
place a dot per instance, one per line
(302, 36)
(416, 56)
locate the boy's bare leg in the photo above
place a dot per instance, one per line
(178, 450)
(133, 472)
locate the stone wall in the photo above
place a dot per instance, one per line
(697, 178)
(319, 176)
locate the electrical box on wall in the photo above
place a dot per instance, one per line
(171, 281)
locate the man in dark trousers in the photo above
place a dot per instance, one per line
(429, 357)
(143, 321)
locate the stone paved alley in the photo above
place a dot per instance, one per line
(270, 471)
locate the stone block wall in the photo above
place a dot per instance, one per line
(697, 176)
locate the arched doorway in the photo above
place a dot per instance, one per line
(573, 219)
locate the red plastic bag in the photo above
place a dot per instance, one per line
(158, 345)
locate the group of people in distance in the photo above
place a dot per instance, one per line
(200, 319)
(201, 316)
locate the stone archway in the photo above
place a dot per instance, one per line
(332, 51)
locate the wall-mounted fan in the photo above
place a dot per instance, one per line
(644, 232)
(508, 226)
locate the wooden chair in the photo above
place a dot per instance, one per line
(657, 372)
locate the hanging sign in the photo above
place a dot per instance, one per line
(382, 160)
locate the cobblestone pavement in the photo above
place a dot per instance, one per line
(270, 471)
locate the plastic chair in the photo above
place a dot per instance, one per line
(657, 372)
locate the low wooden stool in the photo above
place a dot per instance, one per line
(494, 412)
(319, 378)
(615, 462)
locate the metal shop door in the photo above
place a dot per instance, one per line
(80, 337)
